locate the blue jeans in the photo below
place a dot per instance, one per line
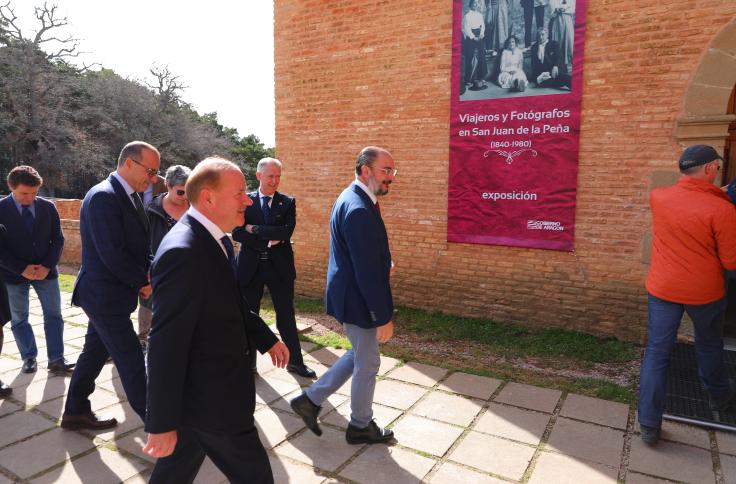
(664, 321)
(362, 363)
(53, 324)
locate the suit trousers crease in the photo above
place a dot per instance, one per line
(282, 296)
(361, 363)
(108, 335)
(240, 456)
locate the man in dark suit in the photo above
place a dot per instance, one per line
(5, 390)
(28, 257)
(358, 295)
(115, 261)
(201, 392)
(533, 10)
(266, 258)
(548, 64)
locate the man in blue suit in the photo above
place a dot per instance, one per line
(358, 295)
(28, 257)
(115, 262)
(201, 392)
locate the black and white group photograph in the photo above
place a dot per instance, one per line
(516, 48)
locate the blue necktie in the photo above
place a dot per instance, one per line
(27, 216)
(266, 209)
(230, 252)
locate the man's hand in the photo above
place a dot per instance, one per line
(392, 271)
(160, 445)
(146, 291)
(555, 72)
(279, 354)
(275, 242)
(385, 332)
(41, 272)
(30, 272)
(249, 228)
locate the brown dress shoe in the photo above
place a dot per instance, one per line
(86, 421)
(5, 390)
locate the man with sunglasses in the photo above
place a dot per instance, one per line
(358, 295)
(115, 260)
(694, 241)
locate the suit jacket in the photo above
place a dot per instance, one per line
(279, 226)
(20, 248)
(552, 57)
(358, 290)
(198, 368)
(115, 251)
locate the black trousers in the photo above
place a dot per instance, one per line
(531, 12)
(240, 456)
(282, 296)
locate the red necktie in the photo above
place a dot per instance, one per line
(378, 207)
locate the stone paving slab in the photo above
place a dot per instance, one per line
(450, 473)
(381, 463)
(587, 441)
(494, 455)
(397, 394)
(470, 385)
(595, 410)
(452, 409)
(726, 442)
(672, 461)
(328, 452)
(418, 373)
(101, 467)
(527, 396)
(426, 435)
(564, 469)
(728, 463)
(513, 423)
(341, 416)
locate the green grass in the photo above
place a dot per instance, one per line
(512, 340)
(330, 338)
(66, 282)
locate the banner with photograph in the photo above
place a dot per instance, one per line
(515, 122)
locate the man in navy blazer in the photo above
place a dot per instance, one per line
(266, 258)
(115, 260)
(201, 392)
(28, 257)
(358, 295)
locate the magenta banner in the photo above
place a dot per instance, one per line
(515, 122)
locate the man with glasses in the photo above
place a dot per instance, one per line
(359, 296)
(116, 257)
(694, 241)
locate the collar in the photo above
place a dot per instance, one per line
(128, 189)
(691, 183)
(261, 195)
(211, 227)
(20, 207)
(363, 187)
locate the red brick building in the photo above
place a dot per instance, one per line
(657, 76)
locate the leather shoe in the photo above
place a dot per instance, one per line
(308, 411)
(61, 367)
(301, 370)
(649, 435)
(5, 390)
(86, 421)
(29, 365)
(372, 434)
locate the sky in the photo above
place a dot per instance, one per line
(221, 49)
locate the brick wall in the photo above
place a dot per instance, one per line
(353, 73)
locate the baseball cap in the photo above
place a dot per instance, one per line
(697, 155)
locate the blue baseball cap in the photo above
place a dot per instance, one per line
(697, 155)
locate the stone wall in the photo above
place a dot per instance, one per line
(353, 73)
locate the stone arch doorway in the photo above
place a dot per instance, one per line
(709, 117)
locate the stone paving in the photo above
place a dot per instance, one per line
(450, 428)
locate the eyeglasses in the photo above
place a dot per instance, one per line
(388, 171)
(181, 192)
(151, 171)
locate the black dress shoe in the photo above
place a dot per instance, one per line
(301, 370)
(61, 367)
(308, 411)
(649, 435)
(29, 365)
(87, 421)
(372, 434)
(5, 390)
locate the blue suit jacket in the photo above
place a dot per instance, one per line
(279, 226)
(358, 290)
(115, 251)
(21, 248)
(199, 373)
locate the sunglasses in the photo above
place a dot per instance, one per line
(151, 171)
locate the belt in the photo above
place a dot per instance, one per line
(263, 255)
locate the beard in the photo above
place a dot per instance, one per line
(379, 189)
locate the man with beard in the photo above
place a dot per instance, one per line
(359, 296)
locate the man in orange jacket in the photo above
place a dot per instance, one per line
(694, 228)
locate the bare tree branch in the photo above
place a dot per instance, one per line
(7, 14)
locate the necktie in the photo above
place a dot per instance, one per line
(141, 212)
(378, 208)
(27, 216)
(266, 209)
(230, 252)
